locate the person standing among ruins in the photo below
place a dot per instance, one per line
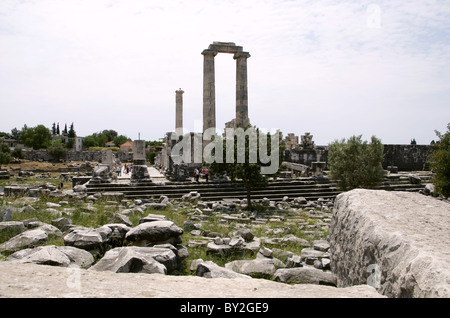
(196, 174)
(206, 174)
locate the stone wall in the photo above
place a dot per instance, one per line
(405, 157)
(73, 155)
(394, 241)
(306, 156)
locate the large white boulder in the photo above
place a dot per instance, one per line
(397, 242)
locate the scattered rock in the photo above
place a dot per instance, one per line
(92, 240)
(395, 241)
(25, 239)
(304, 275)
(259, 267)
(192, 196)
(156, 232)
(134, 259)
(53, 255)
(210, 269)
(10, 229)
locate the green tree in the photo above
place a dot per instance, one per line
(71, 135)
(246, 171)
(440, 163)
(17, 153)
(57, 149)
(118, 140)
(36, 137)
(98, 139)
(356, 163)
(15, 134)
(5, 155)
(109, 134)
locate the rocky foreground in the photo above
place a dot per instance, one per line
(32, 280)
(380, 243)
(396, 241)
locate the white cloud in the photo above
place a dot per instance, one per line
(334, 68)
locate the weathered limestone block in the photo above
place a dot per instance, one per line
(91, 240)
(210, 269)
(395, 241)
(133, 259)
(156, 232)
(53, 255)
(259, 266)
(24, 240)
(10, 228)
(305, 275)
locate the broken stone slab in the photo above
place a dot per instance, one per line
(92, 240)
(156, 206)
(304, 275)
(5, 214)
(396, 241)
(245, 234)
(321, 245)
(285, 240)
(52, 205)
(156, 232)
(210, 269)
(192, 196)
(152, 217)
(25, 239)
(121, 218)
(47, 228)
(53, 255)
(222, 249)
(260, 267)
(118, 234)
(10, 229)
(134, 259)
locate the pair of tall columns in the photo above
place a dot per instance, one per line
(209, 90)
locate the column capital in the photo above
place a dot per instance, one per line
(180, 91)
(209, 52)
(241, 54)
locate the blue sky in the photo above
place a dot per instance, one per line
(331, 68)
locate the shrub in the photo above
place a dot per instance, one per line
(356, 163)
(440, 163)
(57, 149)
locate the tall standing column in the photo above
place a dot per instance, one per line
(179, 110)
(209, 90)
(241, 89)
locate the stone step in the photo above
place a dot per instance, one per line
(308, 188)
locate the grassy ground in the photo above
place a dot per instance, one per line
(96, 214)
(99, 213)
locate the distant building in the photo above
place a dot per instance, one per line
(12, 143)
(78, 141)
(110, 144)
(291, 141)
(126, 147)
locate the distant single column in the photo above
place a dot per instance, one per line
(209, 90)
(241, 89)
(179, 109)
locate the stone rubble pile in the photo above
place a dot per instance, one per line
(154, 245)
